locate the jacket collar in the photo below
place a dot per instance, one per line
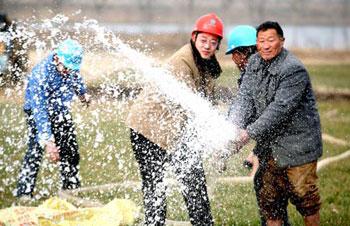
(274, 64)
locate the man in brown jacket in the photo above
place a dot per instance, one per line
(158, 127)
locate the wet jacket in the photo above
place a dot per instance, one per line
(49, 92)
(160, 120)
(277, 106)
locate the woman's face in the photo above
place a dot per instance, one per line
(206, 44)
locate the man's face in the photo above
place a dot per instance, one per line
(64, 71)
(240, 58)
(206, 44)
(269, 44)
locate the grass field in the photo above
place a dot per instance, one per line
(106, 157)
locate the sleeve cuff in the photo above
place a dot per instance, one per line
(252, 133)
(43, 142)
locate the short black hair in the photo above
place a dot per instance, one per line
(270, 25)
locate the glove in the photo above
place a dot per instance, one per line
(252, 163)
(219, 163)
(231, 149)
(247, 164)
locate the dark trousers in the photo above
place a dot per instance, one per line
(189, 172)
(64, 133)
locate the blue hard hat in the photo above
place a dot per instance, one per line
(241, 36)
(70, 53)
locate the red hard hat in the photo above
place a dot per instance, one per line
(209, 23)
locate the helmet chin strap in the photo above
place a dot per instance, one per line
(219, 41)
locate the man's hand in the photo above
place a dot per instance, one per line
(232, 147)
(85, 99)
(243, 139)
(220, 158)
(251, 162)
(52, 151)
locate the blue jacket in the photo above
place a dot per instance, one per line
(48, 93)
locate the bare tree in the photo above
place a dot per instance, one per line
(57, 4)
(98, 5)
(2, 5)
(257, 10)
(297, 9)
(190, 9)
(344, 14)
(146, 8)
(225, 5)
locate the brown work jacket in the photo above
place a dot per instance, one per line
(160, 120)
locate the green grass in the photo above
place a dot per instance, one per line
(330, 76)
(335, 193)
(106, 157)
(335, 121)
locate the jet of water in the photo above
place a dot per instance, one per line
(207, 129)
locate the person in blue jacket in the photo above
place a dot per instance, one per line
(50, 89)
